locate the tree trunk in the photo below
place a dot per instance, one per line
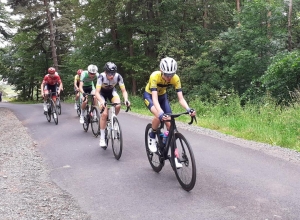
(238, 8)
(52, 36)
(290, 26)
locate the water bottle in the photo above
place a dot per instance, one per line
(165, 137)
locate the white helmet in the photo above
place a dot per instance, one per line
(92, 69)
(168, 66)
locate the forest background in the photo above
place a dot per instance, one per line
(238, 60)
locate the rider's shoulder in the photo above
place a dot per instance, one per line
(155, 74)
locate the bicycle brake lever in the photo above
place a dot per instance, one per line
(128, 108)
(192, 120)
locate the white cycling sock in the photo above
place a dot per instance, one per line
(102, 133)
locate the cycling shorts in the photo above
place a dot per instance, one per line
(109, 95)
(52, 88)
(162, 99)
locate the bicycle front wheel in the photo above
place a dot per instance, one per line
(155, 159)
(182, 151)
(58, 106)
(48, 113)
(116, 138)
(78, 109)
(54, 112)
(95, 119)
(86, 122)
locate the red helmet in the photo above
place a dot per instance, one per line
(79, 72)
(51, 70)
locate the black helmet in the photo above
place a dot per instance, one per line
(110, 68)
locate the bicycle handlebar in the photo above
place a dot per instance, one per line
(86, 96)
(193, 118)
(120, 103)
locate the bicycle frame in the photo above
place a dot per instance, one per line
(164, 148)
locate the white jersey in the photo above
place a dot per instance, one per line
(109, 85)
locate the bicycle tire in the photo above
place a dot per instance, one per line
(48, 113)
(86, 122)
(54, 112)
(58, 106)
(95, 119)
(116, 138)
(155, 159)
(107, 135)
(186, 175)
(78, 109)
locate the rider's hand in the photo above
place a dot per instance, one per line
(162, 116)
(191, 111)
(127, 103)
(102, 105)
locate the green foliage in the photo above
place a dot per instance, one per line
(283, 75)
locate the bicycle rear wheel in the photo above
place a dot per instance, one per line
(54, 112)
(155, 159)
(58, 106)
(95, 118)
(186, 175)
(116, 138)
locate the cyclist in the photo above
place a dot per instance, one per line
(156, 100)
(105, 90)
(50, 82)
(86, 86)
(76, 86)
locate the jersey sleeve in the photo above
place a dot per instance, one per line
(153, 82)
(176, 83)
(121, 81)
(59, 79)
(99, 81)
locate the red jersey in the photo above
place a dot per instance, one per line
(51, 80)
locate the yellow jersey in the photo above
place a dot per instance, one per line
(157, 83)
(77, 79)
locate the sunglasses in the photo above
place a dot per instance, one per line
(110, 74)
(169, 75)
(92, 73)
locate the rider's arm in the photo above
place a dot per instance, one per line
(42, 88)
(81, 87)
(124, 93)
(75, 82)
(156, 103)
(183, 103)
(97, 94)
(60, 86)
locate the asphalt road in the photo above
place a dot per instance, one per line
(233, 181)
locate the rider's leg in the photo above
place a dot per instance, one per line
(116, 99)
(102, 122)
(46, 92)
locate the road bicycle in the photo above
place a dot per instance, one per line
(113, 132)
(91, 116)
(176, 147)
(51, 108)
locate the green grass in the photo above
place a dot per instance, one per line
(265, 124)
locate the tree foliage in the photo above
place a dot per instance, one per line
(219, 49)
